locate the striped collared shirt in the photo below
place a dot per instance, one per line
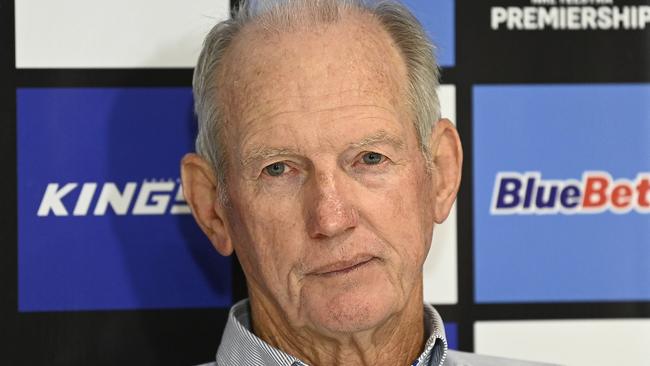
(239, 346)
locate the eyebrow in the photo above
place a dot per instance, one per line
(264, 153)
(378, 138)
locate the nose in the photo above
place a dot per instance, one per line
(329, 212)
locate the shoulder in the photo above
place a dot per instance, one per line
(457, 358)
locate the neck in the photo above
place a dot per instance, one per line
(398, 340)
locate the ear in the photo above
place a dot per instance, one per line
(447, 162)
(200, 188)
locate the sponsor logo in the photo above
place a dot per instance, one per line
(570, 15)
(597, 192)
(155, 197)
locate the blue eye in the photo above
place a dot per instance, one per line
(275, 169)
(372, 158)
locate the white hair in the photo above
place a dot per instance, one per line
(281, 15)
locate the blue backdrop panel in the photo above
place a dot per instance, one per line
(101, 222)
(559, 132)
(451, 333)
(437, 17)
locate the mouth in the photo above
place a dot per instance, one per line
(343, 267)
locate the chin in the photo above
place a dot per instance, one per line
(352, 311)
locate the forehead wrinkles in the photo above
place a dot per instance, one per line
(309, 68)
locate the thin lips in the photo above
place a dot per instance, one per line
(342, 265)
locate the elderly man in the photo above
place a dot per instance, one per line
(324, 165)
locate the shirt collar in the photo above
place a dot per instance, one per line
(239, 346)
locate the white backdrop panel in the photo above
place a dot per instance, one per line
(113, 34)
(567, 342)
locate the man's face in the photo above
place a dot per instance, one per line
(330, 202)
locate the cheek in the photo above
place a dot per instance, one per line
(404, 216)
(266, 240)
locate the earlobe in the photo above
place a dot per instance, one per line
(447, 160)
(200, 190)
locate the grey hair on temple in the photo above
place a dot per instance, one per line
(279, 15)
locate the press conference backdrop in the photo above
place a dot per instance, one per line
(546, 255)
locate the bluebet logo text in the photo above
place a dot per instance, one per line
(158, 197)
(597, 192)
